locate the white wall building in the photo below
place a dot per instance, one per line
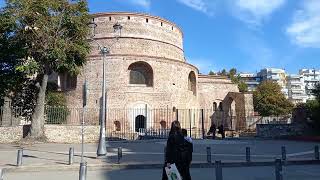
(296, 89)
(276, 75)
(310, 78)
(251, 80)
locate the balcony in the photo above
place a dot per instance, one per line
(273, 77)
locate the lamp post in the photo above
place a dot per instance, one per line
(102, 151)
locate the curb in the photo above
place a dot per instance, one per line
(75, 167)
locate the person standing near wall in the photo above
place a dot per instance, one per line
(174, 155)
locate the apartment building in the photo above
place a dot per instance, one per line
(310, 78)
(277, 75)
(296, 89)
(251, 79)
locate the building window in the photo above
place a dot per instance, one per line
(141, 73)
(161, 24)
(147, 20)
(214, 106)
(68, 81)
(163, 124)
(172, 28)
(128, 17)
(220, 106)
(192, 82)
(110, 18)
(117, 125)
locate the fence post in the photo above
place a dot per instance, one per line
(71, 155)
(83, 171)
(1, 174)
(190, 122)
(278, 169)
(119, 154)
(248, 158)
(283, 153)
(202, 124)
(177, 114)
(19, 157)
(218, 168)
(209, 155)
(316, 152)
(165, 151)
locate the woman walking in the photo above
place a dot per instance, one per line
(174, 152)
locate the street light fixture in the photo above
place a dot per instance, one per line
(102, 151)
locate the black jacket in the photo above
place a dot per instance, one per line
(173, 153)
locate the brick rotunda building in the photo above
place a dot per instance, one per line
(148, 78)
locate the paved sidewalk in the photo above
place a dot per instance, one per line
(251, 173)
(151, 152)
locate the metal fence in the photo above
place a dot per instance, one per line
(144, 123)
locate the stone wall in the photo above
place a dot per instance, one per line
(11, 134)
(279, 130)
(71, 134)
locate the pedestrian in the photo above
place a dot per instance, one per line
(187, 154)
(212, 130)
(174, 151)
(221, 131)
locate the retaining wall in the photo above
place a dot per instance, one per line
(71, 134)
(11, 134)
(279, 130)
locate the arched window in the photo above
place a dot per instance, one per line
(141, 73)
(163, 124)
(220, 106)
(214, 106)
(117, 125)
(192, 82)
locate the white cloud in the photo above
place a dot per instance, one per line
(143, 3)
(199, 5)
(254, 12)
(305, 27)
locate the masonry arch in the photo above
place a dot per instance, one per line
(140, 116)
(236, 103)
(140, 73)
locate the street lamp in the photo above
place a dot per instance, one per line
(102, 151)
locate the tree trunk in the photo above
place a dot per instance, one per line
(37, 125)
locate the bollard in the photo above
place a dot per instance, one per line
(71, 155)
(248, 158)
(209, 155)
(165, 151)
(218, 170)
(316, 152)
(278, 169)
(19, 157)
(283, 153)
(83, 171)
(1, 174)
(119, 154)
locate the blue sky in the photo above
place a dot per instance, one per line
(246, 34)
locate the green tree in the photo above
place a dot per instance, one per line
(223, 72)
(313, 108)
(243, 87)
(11, 53)
(232, 72)
(53, 35)
(269, 100)
(211, 73)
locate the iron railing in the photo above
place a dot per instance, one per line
(143, 123)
